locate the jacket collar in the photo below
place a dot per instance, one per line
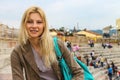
(28, 54)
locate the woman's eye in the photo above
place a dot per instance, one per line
(29, 21)
(39, 22)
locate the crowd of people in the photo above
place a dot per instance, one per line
(97, 60)
(107, 45)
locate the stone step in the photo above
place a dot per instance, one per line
(5, 73)
(99, 73)
(5, 51)
(6, 70)
(5, 76)
(102, 77)
(4, 60)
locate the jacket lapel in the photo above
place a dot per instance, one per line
(28, 53)
(57, 71)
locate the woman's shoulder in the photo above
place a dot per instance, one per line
(16, 50)
(17, 47)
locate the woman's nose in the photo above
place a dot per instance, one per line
(34, 24)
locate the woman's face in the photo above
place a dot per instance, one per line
(34, 25)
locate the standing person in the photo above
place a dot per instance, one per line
(113, 67)
(34, 57)
(92, 54)
(87, 59)
(91, 43)
(110, 72)
(102, 59)
(68, 44)
(104, 45)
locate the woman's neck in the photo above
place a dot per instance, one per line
(34, 42)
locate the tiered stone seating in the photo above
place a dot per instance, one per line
(112, 54)
(5, 57)
(5, 69)
(4, 60)
(98, 73)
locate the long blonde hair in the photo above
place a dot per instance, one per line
(46, 42)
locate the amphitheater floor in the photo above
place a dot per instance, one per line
(5, 77)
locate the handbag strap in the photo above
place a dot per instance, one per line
(56, 47)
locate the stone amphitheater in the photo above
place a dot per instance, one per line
(8, 41)
(112, 54)
(98, 73)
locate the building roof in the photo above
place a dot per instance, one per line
(89, 33)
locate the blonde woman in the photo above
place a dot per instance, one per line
(35, 58)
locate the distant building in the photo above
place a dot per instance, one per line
(106, 31)
(118, 23)
(89, 34)
(53, 33)
(118, 28)
(8, 36)
(7, 32)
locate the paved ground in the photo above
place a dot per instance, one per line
(5, 77)
(5, 73)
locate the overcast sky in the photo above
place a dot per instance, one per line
(90, 14)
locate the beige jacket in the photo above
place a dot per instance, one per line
(22, 57)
